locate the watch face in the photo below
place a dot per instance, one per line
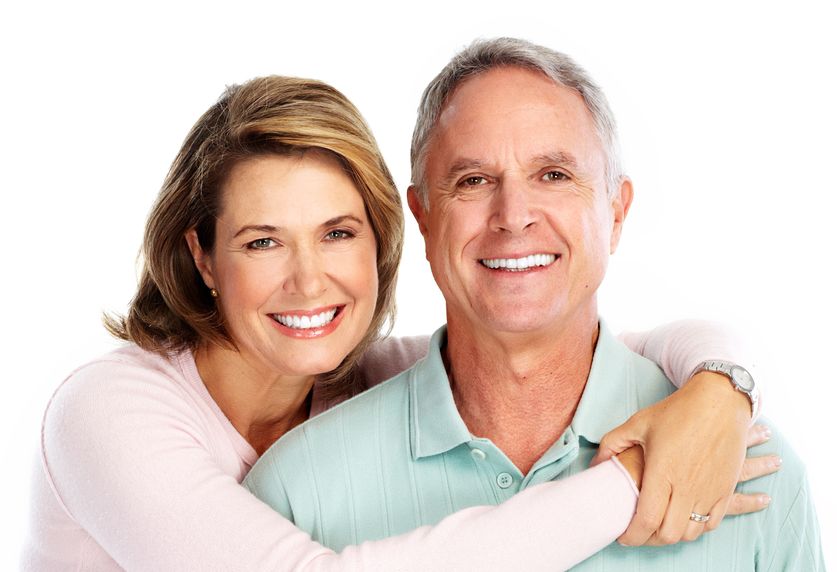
(743, 379)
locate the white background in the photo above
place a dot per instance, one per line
(727, 119)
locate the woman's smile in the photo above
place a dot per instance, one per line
(309, 324)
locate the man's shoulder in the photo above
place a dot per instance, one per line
(784, 536)
(345, 426)
(786, 485)
(387, 395)
(647, 380)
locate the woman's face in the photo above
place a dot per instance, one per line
(294, 263)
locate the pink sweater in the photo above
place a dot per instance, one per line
(140, 469)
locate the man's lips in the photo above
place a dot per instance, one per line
(521, 264)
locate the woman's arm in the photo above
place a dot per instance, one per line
(130, 462)
(680, 347)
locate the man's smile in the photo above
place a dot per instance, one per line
(520, 264)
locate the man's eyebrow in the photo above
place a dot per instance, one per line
(457, 168)
(558, 158)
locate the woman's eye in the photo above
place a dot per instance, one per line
(261, 244)
(555, 176)
(339, 235)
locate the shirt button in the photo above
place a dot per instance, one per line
(504, 480)
(478, 454)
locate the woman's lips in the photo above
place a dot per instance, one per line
(309, 324)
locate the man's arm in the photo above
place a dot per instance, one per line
(797, 545)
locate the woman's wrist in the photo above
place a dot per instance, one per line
(633, 459)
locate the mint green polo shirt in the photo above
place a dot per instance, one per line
(399, 456)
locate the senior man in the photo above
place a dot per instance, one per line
(521, 200)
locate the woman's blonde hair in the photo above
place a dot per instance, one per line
(173, 309)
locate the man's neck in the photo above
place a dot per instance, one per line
(520, 393)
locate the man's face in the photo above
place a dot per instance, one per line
(519, 227)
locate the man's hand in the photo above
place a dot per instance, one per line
(694, 443)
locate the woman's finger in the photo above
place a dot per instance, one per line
(758, 434)
(754, 467)
(746, 503)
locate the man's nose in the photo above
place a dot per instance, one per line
(513, 210)
(307, 275)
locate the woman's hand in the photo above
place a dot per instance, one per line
(694, 443)
(633, 460)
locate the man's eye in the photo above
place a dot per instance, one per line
(555, 176)
(339, 235)
(261, 244)
(473, 181)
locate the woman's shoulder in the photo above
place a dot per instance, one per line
(126, 366)
(127, 379)
(390, 356)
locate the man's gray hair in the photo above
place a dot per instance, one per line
(483, 55)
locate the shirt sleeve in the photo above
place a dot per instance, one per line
(797, 545)
(135, 469)
(680, 347)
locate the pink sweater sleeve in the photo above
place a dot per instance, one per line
(139, 472)
(679, 347)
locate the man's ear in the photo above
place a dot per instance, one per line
(417, 208)
(203, 262)
(621, 204)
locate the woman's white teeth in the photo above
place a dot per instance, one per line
(306, 322)
(517, 264)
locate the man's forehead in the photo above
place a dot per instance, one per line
(517, 111)
(506, 86)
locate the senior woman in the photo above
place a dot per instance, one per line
(269, 268)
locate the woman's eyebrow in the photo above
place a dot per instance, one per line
(270, 229)
(257, 227)
(341, 219)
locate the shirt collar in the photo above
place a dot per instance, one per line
(437, 427)
(608, 399)
(435, 423)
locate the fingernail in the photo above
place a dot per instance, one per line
(765, 500)
(777, 462)
(767, 433)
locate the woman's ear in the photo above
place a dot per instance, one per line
(203, 262)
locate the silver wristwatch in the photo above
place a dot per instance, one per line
(738, 376)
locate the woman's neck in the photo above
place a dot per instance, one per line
(261, 405)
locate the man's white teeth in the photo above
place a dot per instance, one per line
(306, 322)
(518, 264)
